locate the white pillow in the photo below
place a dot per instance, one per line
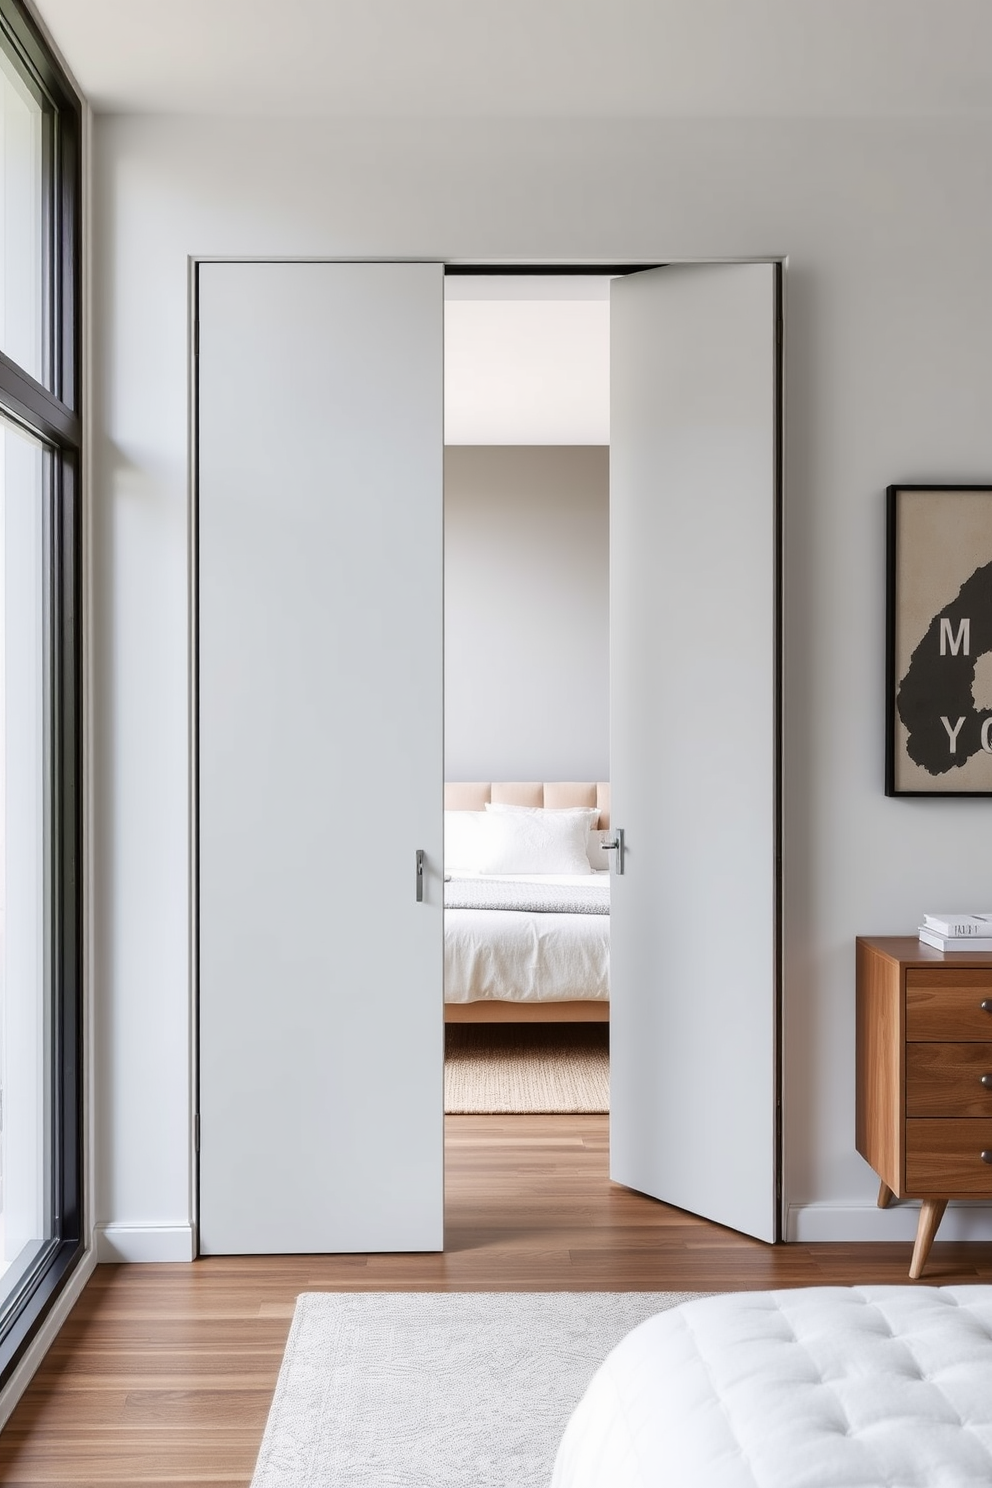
(590, 813)
(530, 839)
(462, 841)
(597, 857)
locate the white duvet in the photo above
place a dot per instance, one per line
(822, 1387)
(524, 956)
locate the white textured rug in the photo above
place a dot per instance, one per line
(437, 1389)
(504, 1068)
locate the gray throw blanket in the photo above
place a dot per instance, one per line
(538, 898)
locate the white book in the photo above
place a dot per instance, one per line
(959, 924)
(954, 942)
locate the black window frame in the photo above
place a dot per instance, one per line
(51, 411)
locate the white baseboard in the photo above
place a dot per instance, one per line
(121, 1242)
(839, 1222)
(45, 1336)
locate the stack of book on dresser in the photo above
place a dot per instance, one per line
(957, 932)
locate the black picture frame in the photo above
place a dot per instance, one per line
(938, 736)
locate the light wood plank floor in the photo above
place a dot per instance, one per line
(164, 1374)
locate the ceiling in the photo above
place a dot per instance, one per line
(527, 360)
(530, 58)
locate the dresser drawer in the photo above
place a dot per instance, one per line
(944, 1157)
(946, 1079)
(945, 1005)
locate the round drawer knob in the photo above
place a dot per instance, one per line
(986, 1004)
(987, 1157)
(987, 1081)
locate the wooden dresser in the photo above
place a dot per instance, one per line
(924, 1076)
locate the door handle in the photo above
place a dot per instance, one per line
(420, 875)
(616, 846)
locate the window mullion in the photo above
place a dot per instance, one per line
(35, 407)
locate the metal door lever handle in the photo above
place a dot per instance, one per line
(420, 875)
(616, 846)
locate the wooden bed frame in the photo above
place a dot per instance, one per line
(491, 1011)
(472, 795)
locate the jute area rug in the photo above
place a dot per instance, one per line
(527, 1068)
(437, 1390)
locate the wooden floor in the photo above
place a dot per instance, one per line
(164, 1373)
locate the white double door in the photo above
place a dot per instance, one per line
(319, 722)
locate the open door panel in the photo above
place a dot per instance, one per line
(694, 727)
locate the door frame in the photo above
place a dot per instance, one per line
(460, 267)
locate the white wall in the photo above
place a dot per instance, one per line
(526, 612)
(888, 228)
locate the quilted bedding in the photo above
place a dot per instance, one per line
(525, 945)
(544, 895)
(822, 1387)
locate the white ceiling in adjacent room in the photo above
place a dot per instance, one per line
(531, 58)
(525, 365)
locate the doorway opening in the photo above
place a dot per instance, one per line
(527, 796)
(697, 530)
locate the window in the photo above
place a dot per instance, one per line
(40, 704)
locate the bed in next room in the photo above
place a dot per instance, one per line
(527, 927)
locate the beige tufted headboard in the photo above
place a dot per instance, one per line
(472, 795)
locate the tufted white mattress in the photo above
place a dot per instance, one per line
(822, 1387)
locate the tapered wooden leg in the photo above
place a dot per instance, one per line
(931, 1213)
(885, 1195)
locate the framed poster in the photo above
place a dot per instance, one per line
(939, 666)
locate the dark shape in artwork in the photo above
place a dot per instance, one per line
(936, 687)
